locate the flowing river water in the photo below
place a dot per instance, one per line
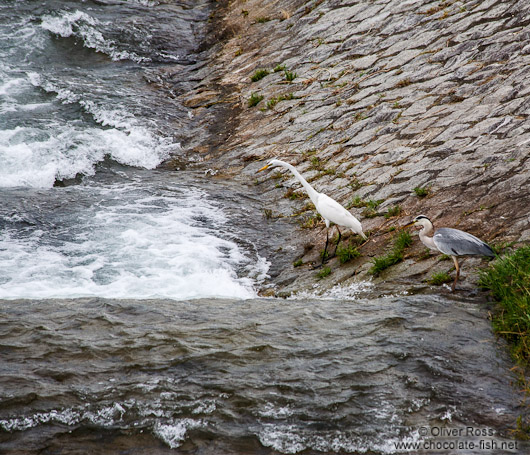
(130, 320)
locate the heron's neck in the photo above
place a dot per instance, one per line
(310, 190)
(426, 237)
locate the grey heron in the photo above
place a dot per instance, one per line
(328, 208)
(452, 242)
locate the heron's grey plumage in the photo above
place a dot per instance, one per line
(458, 243)
(452, 242)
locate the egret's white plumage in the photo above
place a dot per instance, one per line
(330, 210)
(452, 242)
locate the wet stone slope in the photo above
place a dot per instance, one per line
(388, 96)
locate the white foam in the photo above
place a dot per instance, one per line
(105, 416)
(277, 412)
(448, 415)
(205, 407)
(290, 439)
(350, 291)
(144, 248)
(174, 434)
(35, 157)
(284, 438)
(85, 27)
(12, 85)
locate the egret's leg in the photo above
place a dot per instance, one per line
(326, 247)
(338, 241)
(457, 273)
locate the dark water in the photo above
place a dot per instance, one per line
(129, 315)
(248, 376)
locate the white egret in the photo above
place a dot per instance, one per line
(452, 242)
(328, 208)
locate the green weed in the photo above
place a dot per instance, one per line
(421, 191)
(425, 254)
(370, 212)
(317, 164)
(273, 101)
(311, 222)
(347, 253)
(293, 195)
(254, 99)
(359, 116)
(290, 76)
(439, 278)
(370, 203)
(393, 211)
(401, 241)
(258, 75)
(508, 280)
(326, 271)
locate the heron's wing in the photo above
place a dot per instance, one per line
(333, 211)
(457, 243)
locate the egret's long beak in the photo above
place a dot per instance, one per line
(263, 168)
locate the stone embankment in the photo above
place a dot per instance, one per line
(394, 108)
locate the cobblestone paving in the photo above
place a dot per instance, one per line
(394, 95)
(388, 96)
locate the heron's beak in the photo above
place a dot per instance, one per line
(407, 225)
(263, 168)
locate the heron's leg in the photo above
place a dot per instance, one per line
(326, 247)
(457, 273)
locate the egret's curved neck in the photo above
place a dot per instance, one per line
(310, 190)
(426, 235)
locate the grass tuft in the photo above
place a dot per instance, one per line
(258, 75)
(371, 206)
(421, 192)
(439, 278)
(393, 211)
(401, 241)
(347, 253)
(290, 76)
(293, 195)
(324, 272)
(311, 221)
(273, 101)
(254, 99)
(508, 280)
